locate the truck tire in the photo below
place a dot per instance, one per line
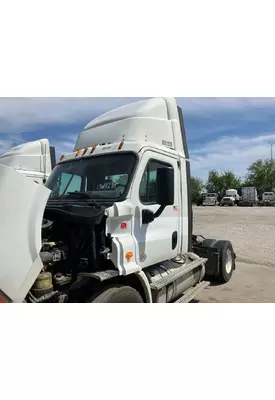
(117, 294)
(227, 260)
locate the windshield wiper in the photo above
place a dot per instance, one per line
(84, 195)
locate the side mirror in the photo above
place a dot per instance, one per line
(165, 186)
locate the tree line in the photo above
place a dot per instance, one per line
(260, 174)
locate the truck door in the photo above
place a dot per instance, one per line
(160, 239)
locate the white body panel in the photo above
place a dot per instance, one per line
(152, 121)
(21, 212)
(232, 193)
(249, 194)
(154, 240)
(228, 200)
(268, 196)
(31, 159)
(149, 243)
(210, 199)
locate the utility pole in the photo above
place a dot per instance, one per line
(271, 153)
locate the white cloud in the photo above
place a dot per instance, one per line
(236, 153)
(230, 153)
(17, 114)
(217, 104)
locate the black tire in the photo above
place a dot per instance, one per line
(117, 294)
(225, 247)
(209, 242)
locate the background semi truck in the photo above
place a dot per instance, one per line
(210, 199)
(35, 159)
(268, 198)
(231, 198)
(249, 197)
(114, 221)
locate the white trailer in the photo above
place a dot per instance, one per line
(249, 196)
(113, 224)
(35, 160)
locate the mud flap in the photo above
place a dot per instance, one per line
(213, 259)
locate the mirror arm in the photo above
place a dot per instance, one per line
(159, 212)
(148, 216)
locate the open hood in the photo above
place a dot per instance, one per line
(22, 204)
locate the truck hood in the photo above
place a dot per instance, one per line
(21, 213)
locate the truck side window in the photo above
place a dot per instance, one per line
(147, 190)
(69, 183)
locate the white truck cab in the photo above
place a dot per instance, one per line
(231, 198)
(268, 198)
(210, 199)
(35, 160)
(115, 218)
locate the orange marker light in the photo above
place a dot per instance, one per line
(129, 255)
(2, 300)
(77, 153)
(121, 145)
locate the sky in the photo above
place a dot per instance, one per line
(222, 133)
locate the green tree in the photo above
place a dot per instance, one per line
(261, 174)
(230, 180)
(213, 184)
(196, 188)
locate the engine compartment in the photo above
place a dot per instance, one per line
(74, 241)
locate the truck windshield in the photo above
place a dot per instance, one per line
(103, 177)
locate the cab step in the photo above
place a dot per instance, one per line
(191, 293)
(180, 271)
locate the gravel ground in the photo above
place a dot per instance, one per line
(252, 232)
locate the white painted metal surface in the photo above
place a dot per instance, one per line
(22, 207)
(268, 196)
(31, 159)
(210, 199)
(249, 194)
(154, 121)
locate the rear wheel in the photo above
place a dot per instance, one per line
(117, 294)
(227, 260)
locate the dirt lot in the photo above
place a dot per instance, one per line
(252, 232)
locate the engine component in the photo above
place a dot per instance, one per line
(43, 285)
(60, 279)
(46, 224)
(53, 256)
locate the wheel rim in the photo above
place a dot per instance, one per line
(229, 261)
